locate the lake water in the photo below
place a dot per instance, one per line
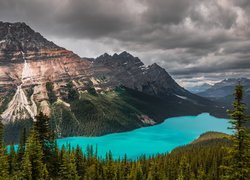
(162, 138)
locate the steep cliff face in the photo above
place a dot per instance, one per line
(127, 70)
(27, 62)
(84, 96)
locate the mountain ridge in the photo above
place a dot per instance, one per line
(224, 87)
(223, 92)
(88, 93)
(199, 88)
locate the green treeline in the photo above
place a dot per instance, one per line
(38, 157)
(196, 161)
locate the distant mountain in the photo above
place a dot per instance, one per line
(222, 92)
(199, 88)
(84, 96)
(225, 88)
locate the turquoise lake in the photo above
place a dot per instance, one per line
(161, 138)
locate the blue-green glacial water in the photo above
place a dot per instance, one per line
(162, 138)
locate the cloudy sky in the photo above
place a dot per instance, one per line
(194, 40)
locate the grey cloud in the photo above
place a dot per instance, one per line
(74, 19)
(165, 12)
(95, 18)
(187, 37)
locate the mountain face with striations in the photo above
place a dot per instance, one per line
(84, 96)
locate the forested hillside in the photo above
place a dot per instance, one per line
(212, 156)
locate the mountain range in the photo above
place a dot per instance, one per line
(199, 88)
(222, 92)
(84, 96)
(225, 88)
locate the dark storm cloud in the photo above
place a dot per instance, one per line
(187, 37)
(162, 12)
(75, 19)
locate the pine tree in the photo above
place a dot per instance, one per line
(50, 92)
(201, 175)
(13, 160)
(109, 167)
(26, 167)
(47, 140)
(1, 133)
(33, 165)
(136, 172)
(80, 164)
(68, 167)
(4, 165)
(239, 154)
(41, 126)
(184, 169)
(73, 94)
(21, 146)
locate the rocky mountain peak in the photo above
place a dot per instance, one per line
(125, 54)
(156, 66)
(19, 36)
(18, 40)
(122, 59)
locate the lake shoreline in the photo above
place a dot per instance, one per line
(131, 143)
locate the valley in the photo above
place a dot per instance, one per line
(124, 90)
(85, 96)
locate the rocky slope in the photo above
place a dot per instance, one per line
(124, 69)
(27, 62)
(84, 96)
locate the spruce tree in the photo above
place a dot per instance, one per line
(109, 166)
(32, 165)
(68, 167)
(21, 146)
(73, 94)
(239, 155)
(80, 164)
(13, 160)
(47, 140)
(41, 126)
(184, 169)
(201, 175)
(26, 169)
(4, 165)
(1, 133)
(50, 91)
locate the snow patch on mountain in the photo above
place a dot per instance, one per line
(2, 41)
(182, 97)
